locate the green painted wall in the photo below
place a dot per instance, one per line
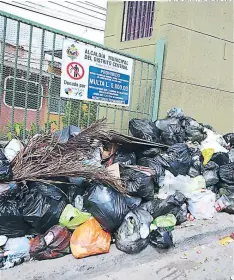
(198, 62)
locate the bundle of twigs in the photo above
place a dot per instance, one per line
(44, 157)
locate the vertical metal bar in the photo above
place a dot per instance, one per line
(89, 111)
(152, 96)
(2, 61)
(80, 111)
(132, 90)
(50, 83)
(27, 83)
(59, 112)
(14, 81)
(151, 19)
(69, 110)
(98, 111)
(159, 62)
(114, 116)
(40, 81)
(146, 88)
(146, 19)
(121, 120)
(139, 92)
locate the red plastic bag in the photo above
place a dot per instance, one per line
(53, 244)
(89, 239)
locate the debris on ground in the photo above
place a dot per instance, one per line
(77, 191)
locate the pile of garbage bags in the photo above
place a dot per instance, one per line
(192, 177)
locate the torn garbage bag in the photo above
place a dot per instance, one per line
(210, 173)
(202, 204)
(5, 168)
(144, 129)
(125, 157)
(106, 205)
(226, 173)
(42, 205)
(137, 182)
(160, 207)
(71, 217)
(89, 239)
(133, 235)
(53, 244)
(161, 239)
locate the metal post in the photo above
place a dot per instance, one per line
(2, 61)
(159, 62)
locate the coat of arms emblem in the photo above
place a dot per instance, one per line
(72, 52)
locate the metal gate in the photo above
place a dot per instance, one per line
(30, 69)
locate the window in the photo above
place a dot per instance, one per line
(137, 20)
(21, 88)
(56, 103)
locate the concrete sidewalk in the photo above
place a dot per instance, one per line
(188, 235)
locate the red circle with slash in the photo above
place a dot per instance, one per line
(75, 70)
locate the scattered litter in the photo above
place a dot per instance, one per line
(226, 240)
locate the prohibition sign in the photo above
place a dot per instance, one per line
(75, 70)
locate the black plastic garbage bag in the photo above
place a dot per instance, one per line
(125, 157)
(149, 152)
(137, 183)
(220, 158)
(161, 239)
(160, 207)
(193, 130)
(226, 173)
(144, 129)
(154, 164)
(66, 133)
(5, 168)
(180, 213)
(229, 192)
(171, 131)
(210, 173)
(175, 113)
(11, 221)
(132, 202)
(41, 206)
(229, 138)
(133, 234)
(106, 205)
(179, 158)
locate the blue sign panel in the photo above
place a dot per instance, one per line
(108, 86)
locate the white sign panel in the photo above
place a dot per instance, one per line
(94, 74)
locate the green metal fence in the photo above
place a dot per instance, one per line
(30, 68)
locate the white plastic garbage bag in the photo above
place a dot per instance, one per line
(12, 149)
(184, 184)
(202, 204)
(214, 141)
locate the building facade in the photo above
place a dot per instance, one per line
(198, 61)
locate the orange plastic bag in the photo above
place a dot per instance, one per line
(89, 239)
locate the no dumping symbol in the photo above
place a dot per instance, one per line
(75, 70)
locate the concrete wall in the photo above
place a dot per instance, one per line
(198, 62)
